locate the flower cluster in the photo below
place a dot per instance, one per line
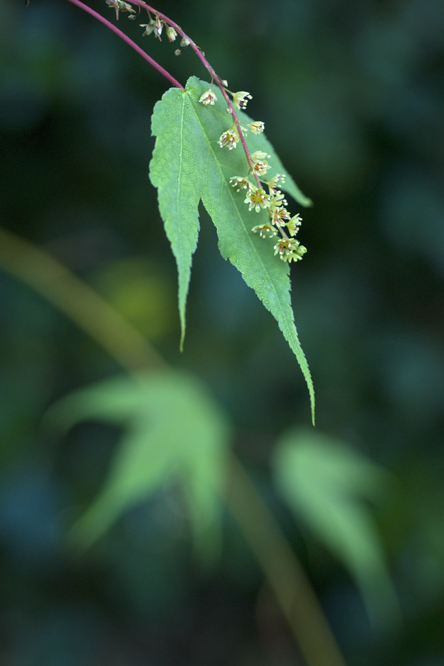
(156, 26)
(279, 220)
(120, 6)
(231, 138)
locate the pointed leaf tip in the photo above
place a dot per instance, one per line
(188, 165)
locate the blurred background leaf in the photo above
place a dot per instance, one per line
(326, 484)
(172, 432)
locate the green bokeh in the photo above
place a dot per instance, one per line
(352, 96)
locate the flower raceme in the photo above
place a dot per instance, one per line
(257, 198)
(279, 219)
(280, 222)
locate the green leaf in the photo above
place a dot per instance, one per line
(327, 484)
(187, 166)
(173, 430)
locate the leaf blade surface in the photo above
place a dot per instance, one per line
(328, 485)
(212, 169)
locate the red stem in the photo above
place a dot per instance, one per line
(163, 71)
(211, 72)
(129, 41)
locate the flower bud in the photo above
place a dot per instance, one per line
(170, 33)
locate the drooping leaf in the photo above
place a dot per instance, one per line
(327, 484)
(188, 165)
(173, 431)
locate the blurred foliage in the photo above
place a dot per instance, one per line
(326, 484)
(352, 96)
(174, 432)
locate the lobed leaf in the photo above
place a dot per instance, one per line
(188, 165)
(327, 484)
(172, 431)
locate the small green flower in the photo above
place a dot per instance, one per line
(279, 215)
(289, 249)
(259, 155)
(265, 230)
(257, 127)
(229, 138)
(209, 97)
(240, 183)
(275, 181)
(240, 99)
(155, 25)
(260, 167)
(158, 27)
(149, 27)
(294, 224)
(257, 198)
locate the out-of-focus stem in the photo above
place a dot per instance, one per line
(78, 301)
(282, 570)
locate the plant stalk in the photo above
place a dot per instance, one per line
(129, 41)
(78, 302)
(282, 569)
(197, 51)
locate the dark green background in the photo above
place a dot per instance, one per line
(352, 96)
